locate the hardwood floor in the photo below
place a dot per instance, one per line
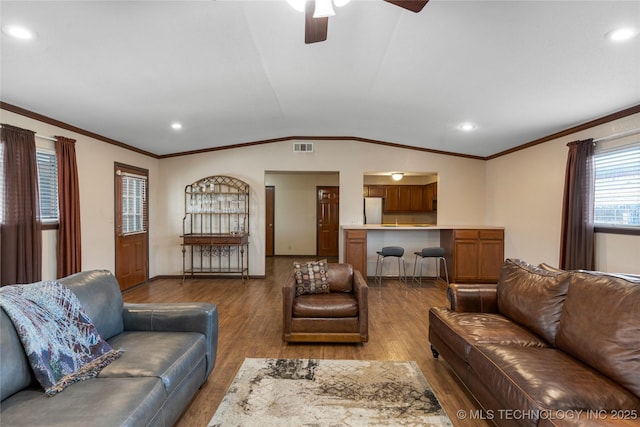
(250, 325)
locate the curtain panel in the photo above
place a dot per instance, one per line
(69, 257)
(20, 231)
(577, 241)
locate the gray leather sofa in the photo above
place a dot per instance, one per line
(169, 351)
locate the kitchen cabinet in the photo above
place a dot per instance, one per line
(409, 198)
(398, 198)
(373, 191)
(473, 255)
(355, 250)
(430, 197)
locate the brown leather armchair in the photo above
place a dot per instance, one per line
(338, 316)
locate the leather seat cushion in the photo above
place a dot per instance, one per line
(170, 356)
(533, 378)
(325, 305)
(97, 402)
(463, 330)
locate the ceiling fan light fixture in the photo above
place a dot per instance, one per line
(397, 176)
(324, 8)
(297, 5)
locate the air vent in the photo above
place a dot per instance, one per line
(303, 147)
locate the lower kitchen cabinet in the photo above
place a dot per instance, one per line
(473, 255)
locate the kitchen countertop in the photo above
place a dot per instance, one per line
(391, 227)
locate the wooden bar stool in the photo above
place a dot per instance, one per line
(425, 253)
(391, 251)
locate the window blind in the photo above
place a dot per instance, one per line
(617, 186)
(48, 185)
(134, 204)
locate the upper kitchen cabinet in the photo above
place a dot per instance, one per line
(410, 198)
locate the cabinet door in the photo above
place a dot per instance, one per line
(355, 251)
(491, 255)
(466, 260)
(365, 191)
(427, 198)
(404, 202)
(392, 199)
(417, 198)
(376, 191)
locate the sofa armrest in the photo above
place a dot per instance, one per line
(478, 298)
(288, 294)
(361, 290)
(176, 317)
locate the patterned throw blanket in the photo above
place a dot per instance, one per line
(62, 344)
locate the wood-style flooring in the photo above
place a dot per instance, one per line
(250, 325)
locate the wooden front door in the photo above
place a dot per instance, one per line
(328, 208)
(270, 192)
(131, 225)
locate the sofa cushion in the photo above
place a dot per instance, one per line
(464, 330)
(600, 325)
(532, 296)
(534, 379)
(340, 277)
(330, 305)
(169, 356)
(96, 402)
(311, 277)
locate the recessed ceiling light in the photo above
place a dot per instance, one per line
(18, 32)
(622, 34)
(467, 126)
(176, 125)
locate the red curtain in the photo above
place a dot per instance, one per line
(577, 243)
(21, 229)
(69, 243)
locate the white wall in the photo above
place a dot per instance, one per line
(95, 169)
(521, 191)
(461, 192)
(524, 194)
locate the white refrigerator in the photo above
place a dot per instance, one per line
(373, 210)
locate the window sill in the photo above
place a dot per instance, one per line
(633, 231)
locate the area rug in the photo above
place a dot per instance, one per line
(319, 393)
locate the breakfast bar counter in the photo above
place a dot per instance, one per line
(474, 253)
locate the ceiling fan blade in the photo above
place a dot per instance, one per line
(315, 29)
(412, 5)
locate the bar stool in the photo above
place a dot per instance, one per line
(425, 253)
(391, 251)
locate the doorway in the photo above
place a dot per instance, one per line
(328, 217)
(295, 225)
(131, 225)
(270, 197)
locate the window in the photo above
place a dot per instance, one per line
(134, 200)
(48, 185)
(617, 187)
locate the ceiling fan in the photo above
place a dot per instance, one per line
(315, 29)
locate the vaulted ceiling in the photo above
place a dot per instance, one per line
(236, 71)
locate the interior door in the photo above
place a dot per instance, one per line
(131, 225)
(270, 192)
(328, 208)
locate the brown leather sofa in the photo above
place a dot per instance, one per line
(338, 316)
(543, 347)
